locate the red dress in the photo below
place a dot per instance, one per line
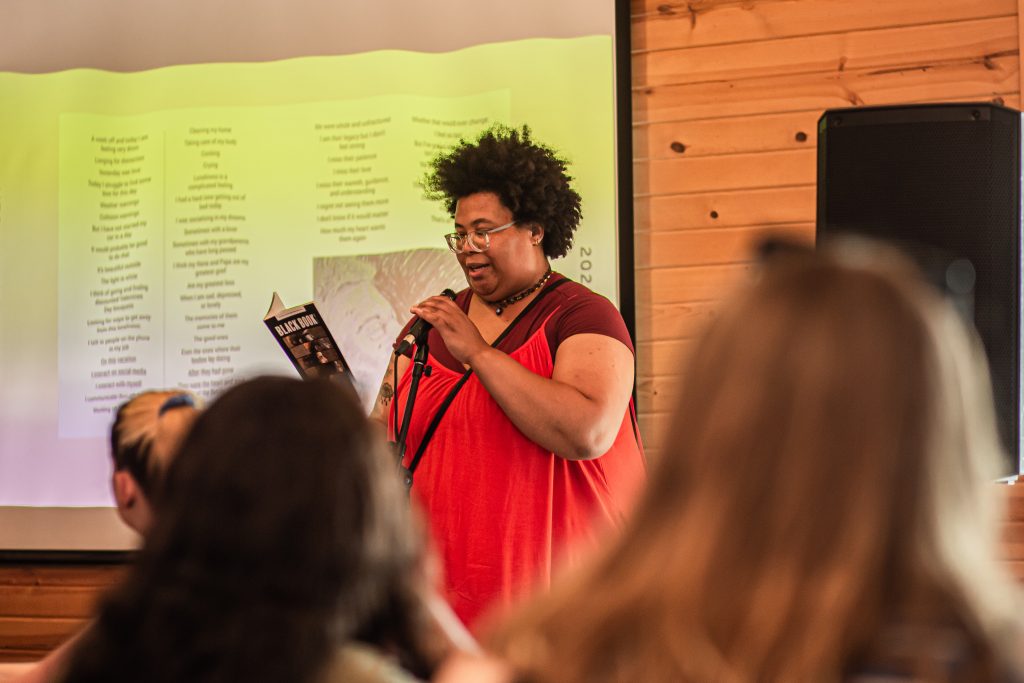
(502, 510)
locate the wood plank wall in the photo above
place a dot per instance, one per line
(726, 96)
(41, 605)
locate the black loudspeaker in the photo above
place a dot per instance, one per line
(943, 181)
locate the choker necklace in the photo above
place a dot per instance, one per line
(500, 306)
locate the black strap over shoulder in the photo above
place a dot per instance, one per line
(443, 408)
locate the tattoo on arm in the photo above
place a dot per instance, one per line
(386, 393)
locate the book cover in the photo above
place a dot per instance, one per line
(306, 340)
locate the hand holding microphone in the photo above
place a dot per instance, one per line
(419, 330)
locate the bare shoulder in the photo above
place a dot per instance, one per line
(589, 343)
(465, 668)
(16, 672)
(602, 364)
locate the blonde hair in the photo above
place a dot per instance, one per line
(825, 502)
(147, 430)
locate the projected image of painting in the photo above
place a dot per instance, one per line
(365, 301)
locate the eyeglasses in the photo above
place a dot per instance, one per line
(473, 240)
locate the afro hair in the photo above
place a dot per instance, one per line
(529, 178)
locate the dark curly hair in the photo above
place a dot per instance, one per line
(529, 178)
(280, 533)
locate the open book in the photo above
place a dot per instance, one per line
(302, 333)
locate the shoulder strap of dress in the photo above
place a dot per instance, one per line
(443, 408)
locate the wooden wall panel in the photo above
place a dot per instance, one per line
(980, 78)
(664, 249)
(41, 606)
(36, 635)
(676, 320)
(725, 172)
(730, 208)
(768, 133)
(906, 46)
(682, 285)
(727, 95)
(659, 25)
(744, 134)
(1020, 32)
(1013, 530)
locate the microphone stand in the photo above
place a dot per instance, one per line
(419, 368)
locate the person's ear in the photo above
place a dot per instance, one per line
(132, 505)
(537, 233)
(126, 490)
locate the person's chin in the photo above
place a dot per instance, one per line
(482, 284)
(485, 293)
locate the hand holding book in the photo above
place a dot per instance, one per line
(302, 333)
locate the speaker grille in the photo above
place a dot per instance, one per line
(944, 181)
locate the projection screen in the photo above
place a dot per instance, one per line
(166, 167)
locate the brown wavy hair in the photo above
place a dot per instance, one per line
(281, 532)
(824, 506)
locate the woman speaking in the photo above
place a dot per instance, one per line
(523, 444)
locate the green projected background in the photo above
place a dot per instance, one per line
(146, 218)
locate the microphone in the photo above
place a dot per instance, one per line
(418, 331)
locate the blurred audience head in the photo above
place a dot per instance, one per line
(146, 432)
(280, 532)
(823, 509)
